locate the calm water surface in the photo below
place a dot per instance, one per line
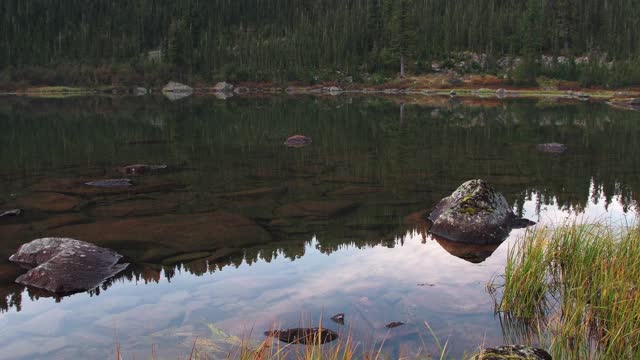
(245, 235)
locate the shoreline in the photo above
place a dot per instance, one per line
(621, 98)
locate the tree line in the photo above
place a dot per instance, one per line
(256, 40)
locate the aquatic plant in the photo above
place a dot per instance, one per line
(574, 288)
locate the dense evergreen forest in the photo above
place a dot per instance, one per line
(101, 41)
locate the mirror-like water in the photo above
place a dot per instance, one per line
(244, 234)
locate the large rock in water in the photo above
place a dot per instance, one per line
(63, 265)
(474, 214)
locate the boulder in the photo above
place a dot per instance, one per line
(513, 352)
(223, 87)
(175, 87)
(176, 91)
(298, 141)
(64, 265)
(552, 148)
(474, 214)
(303, 335)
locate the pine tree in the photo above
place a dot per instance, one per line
(403, 33)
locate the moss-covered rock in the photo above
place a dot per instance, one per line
(513, 352)
(475, 214)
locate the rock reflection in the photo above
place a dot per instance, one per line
(472, 253)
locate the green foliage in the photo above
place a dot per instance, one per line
(273, 40)
(577, 286)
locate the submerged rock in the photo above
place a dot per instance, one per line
(474, 214)
(49, 202)
(111, 183)
(155, 238)
(338, 318)
(141, 169)
(394, 324)
(64, 265)
(298, 141)
(552, 148)
(315, 208)
(513, 352)
(10, 213)
(303, 335)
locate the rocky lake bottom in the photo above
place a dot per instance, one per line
(229, 232)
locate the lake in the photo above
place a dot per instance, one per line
(242, 234)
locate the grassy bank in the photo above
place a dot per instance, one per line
(574, 289)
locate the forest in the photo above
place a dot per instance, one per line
(76, 42)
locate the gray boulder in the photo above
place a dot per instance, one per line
(223, 87)
(513, 352)
(63, 265)
(474, 214)
(176, 87)
(176, 91)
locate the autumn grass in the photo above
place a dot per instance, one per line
(575, 289)
(247, 348)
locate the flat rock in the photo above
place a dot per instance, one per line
(513, 352)
(303, 335)
(110, 183)
(10, 213)
(552, 148)
(474, 214)
(297, 141)
(254, 193)
(78, 187)
(49, 202)
(327, 208)
(135, 208)
(350, 191)
(141, 169)
(394, 324)
(64, 265)
(60, 221)
(153, 238)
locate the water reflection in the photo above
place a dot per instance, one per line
(249, 235)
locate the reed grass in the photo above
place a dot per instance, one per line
(575, 288)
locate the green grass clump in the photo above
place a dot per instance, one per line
(576, 287)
